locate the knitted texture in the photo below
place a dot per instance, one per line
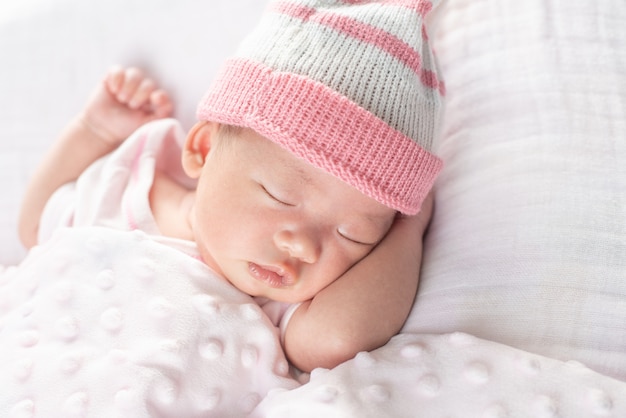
(349, 86)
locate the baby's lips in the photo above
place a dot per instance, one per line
(277, 276)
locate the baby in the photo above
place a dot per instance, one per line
(305, 181)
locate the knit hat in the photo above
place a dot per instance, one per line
(351, 86)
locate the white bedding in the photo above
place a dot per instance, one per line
(521, 306)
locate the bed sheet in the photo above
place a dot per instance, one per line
(522, 297)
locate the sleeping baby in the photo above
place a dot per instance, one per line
(168, 268)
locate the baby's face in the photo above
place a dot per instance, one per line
(274, 225)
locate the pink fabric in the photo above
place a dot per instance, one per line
(298, 113)
(134, 168)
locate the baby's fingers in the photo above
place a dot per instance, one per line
(123, 84)
(133, 78)
(114, 80)
(142, 93)
(132, 88)
(160, 104)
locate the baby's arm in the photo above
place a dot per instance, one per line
(365, 307)
(125, 100)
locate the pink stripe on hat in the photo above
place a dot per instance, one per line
(365, 33)
(348, 86)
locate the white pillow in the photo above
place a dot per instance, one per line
(528, 242)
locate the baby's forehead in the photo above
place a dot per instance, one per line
(296, 171)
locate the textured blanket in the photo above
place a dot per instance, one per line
(104, 323)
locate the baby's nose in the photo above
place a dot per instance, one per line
(301, 244)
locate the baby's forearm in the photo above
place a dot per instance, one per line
(76, 148)
(364, 308)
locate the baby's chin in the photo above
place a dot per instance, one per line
(283, 295)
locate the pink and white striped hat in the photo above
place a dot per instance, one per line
(351, 86)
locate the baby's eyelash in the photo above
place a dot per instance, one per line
(353, 240)
(267, 192)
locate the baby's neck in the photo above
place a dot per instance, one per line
(171, 205)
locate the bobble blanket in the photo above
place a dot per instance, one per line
(101, 322)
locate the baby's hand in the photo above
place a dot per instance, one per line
(125, 100)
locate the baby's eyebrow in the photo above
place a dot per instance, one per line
(303, 177)
(378, 221)
(378, 217)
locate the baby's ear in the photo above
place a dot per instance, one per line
(197, 146)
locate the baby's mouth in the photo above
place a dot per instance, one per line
(271, 275)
